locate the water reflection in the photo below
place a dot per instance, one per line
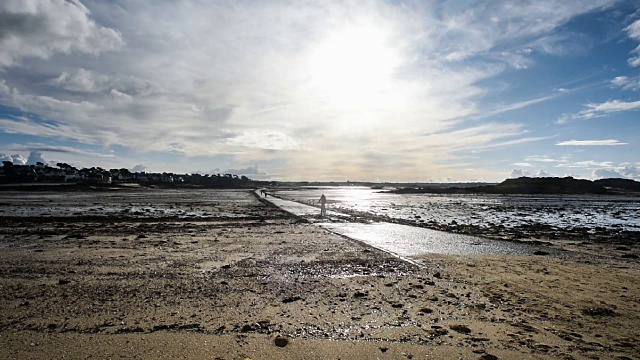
(411, 241)
(483, 210)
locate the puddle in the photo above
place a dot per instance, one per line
(410, 241)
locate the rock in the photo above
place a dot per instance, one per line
(359, 294)
(280, 341)
(291, 299)
(437, 275)
(488, 357)
(437, 331)
(462, 329)
(541, 253)
(247, 328)
(599, 311)
(426, 310)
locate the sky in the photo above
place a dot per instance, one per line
(390, 91)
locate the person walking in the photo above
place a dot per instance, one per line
(323, 203)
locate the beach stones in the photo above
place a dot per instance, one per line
(462, 329)
(599, 311)
(488, 357)
(280, 341)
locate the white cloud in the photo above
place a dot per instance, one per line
(42, 148)
(255, 79)
(542, 173)
(541, 158)
(600, 110)
(16, 159)
(633, 31)
(610, 142)
(606, 174)
(251, 172)
(515, 106)
(623, 171)
(264, 139)
(516, 173)
(587, 164)
(36, 157)
(139, 168)
(81, 81)
(40, 28)
(626, 82)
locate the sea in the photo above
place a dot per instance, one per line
(586, 212)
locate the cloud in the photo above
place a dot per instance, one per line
(516, 173)
(623, 172)
(139, 168)
(633, 31)
(42, 148)
(539, 158)
(587, 164)
(36, 157)
(542, 173)
(264, 139)
(601, 110)
(626, 82)
(251, 172)
(609, 142)
(40, 28)
(263, 80)
(16, 159)
(516, 106)
(81, 81)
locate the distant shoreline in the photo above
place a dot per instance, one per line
(519, 186)
(539, 186)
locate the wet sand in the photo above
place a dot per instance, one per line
(256, 282)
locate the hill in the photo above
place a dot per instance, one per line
(547, 185)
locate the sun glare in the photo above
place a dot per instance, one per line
(353, 67)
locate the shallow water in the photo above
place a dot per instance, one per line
(411, 241)
(483, 210)
(402, 240)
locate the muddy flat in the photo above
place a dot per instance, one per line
(225, 275)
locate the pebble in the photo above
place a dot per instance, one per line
(280, 341)
(488, 357)
(463, 329)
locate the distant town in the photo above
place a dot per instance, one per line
(41, 173)
(63, 173)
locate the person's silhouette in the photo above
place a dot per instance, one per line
(323, 203)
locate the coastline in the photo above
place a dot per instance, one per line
(228, 287)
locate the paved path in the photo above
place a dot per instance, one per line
(404, 241)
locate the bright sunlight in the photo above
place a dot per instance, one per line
(352, 67)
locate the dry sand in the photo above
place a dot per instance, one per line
(265, 285)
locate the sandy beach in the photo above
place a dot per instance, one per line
(226, 275)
